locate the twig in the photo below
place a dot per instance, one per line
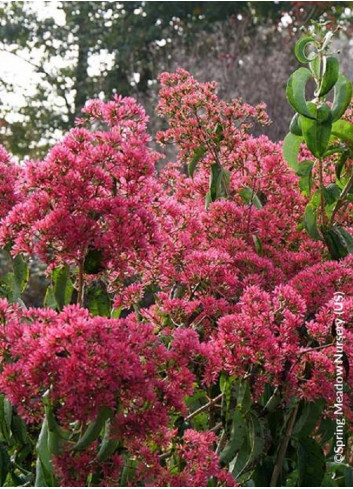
(204, 407)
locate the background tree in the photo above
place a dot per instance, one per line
(80, 50)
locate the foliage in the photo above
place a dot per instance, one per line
(187, 336)
(328, 137)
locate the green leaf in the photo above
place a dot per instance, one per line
(98, 300)
(305, 171)
(327, 429)
(219, 183)
(62, 286)
(208, 200)
(291, 146)
(317, 131)
(108, 445)
(238, 433)
(294, 126)
(331, 193)
(250, 197)
(215, 180)
(258, 244)
(93, 430)
(5, 418)
(310, 223)
(335, 242)
(49, 298)
(199, 153)
(44, 466)
(311, 463)
(347, 238)
(343, 130)
(251, 451)
(19, 430)
(308, 417)
(342, 97)
(315, 67)
(301, 49)
(21, 272)
(296, 91)
(330, 75)
(341, 163)
(5, 464)
(128, 471)
(93, 263)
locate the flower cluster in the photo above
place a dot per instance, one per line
(67, 353)
(9, 173)
(92, 195)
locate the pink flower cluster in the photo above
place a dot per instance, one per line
(92, 193)
(67, 353)
(9, 173)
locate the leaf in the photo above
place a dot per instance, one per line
(98, 300)
(294, 126)
(93, 263)
(199, 153)
(335, 242)
(108, 445)
(44, 466)
(343, 130)
(305, 171)
(308, 417)
(250, 197)
(208, 200)
(258, 244)
(342, 97)
(311, 463)
(128, 471)
(327, 429)
(295, 91)
(215, 178)
(331, 193)
(317, 131)
(249, 454)
(238, 433)
(49, 298)
(347, 237)
(5, 464)
(315, 67)
(21, 272)
(341, 163)
(330, 75)
(291, 146)
(93, 430)
(243, 396)
(310, 223)
(62, 286)
(301, 48)
(5, 418)
(19, 430)
(219, 182)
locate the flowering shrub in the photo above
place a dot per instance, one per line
(188, 333)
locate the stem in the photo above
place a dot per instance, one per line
(80, 284)
(283, 448)
(204, 407)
